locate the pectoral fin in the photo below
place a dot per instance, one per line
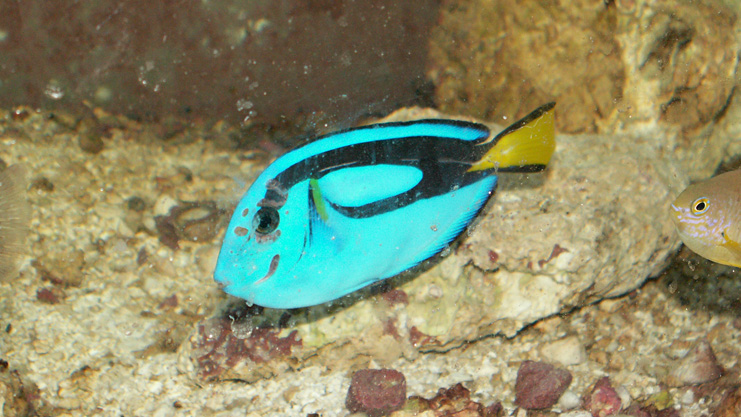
(316, 200)
(734, 248)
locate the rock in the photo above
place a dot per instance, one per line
(603, 401)
(136, 204)
(635, 62)
(64, 268)
(195, 221)
(231, 348)
(731, 405)
(376, 392)
(592, 80)
(91, 142)
(539, 385)
(453, 401)
(567, 351)
(569, 400)
(576, 413)
(698, 367)
(19, 396)
(636, 410)
(50, 295)
(14, 217)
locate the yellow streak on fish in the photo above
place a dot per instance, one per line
(707, 216)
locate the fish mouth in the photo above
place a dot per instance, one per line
(679, 216)
(271, 270)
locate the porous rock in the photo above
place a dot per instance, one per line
(539, 385)
(376, 392)
(731, 404)
(603, 400)
(636, 62)
(566, 351)
(699, 366)
(453, 401)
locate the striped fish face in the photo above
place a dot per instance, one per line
(706, 217)
(262, 241)
(701, 232)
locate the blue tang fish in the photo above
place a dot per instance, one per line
(361, 205)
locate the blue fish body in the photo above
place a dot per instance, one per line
(362, 205)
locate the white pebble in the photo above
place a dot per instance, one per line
(580, 413)
(567, 351)
(569, 400)
(624, 396)
(163, 205)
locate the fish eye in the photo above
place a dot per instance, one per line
(266, 220)
(700, 205)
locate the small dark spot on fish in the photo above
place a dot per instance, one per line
(240, 231)
(271, 269)
(245, 212)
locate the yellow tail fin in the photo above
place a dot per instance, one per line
(527, 145)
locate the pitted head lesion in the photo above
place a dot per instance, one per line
(275, 196)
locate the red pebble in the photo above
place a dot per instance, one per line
(48, 295)
(376, 392)
(604, 400)
(539, 385)
(396, 297)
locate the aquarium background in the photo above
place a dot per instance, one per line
(138, 127)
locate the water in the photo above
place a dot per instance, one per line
(114, 310)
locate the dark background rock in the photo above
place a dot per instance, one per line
(266, 61)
